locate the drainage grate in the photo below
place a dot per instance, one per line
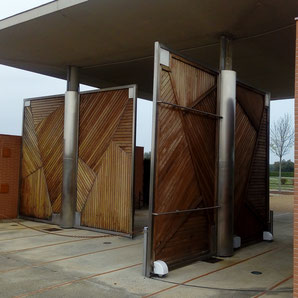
(107, 243)
(212, 260)
(13, 225)
(52, 229)
(256, 272)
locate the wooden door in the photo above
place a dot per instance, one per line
(185, 161)
(42, 157)
(251, 165)
(106, 159)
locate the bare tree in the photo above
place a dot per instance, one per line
(282, 139)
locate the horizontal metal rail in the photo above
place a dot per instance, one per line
(187, 109)
(185, 211)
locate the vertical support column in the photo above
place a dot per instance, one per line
(226, 141)
(156, 94)
(70, 154)
(225, 59)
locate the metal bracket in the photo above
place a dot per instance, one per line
(267, 99)
(164, 57)
(131, 93)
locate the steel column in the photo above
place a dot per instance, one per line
(156, 96)
(225, 189)
(70, 157)
(225, 59)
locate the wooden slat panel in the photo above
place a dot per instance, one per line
(251, 166)
(191, 239)
(105, 150)
(35, 198)
(109, 203)
(42, 108)
(86, 179)
(42, 156)
(252, 104)
(185, 166)
(100, 114)
(31, 160)
(257, 194)
(123, 133)
(245, 140)
(50, 139)
(191, 82)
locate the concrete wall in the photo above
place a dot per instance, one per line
(9, 175)
(296, 174)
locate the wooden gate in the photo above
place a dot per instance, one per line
(42, 157)
(106, 159)
(105, 163)
(183, 193)
(251, 164)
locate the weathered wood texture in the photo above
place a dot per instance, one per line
(105, 161)
(139, 178)
(42, 158)
(251, 165)
(186, 163)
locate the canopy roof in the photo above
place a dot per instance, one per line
(112, 41)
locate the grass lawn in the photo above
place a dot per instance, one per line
(287, 186)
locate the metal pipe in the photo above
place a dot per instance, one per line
(225, 60)
(192, 110)
(185, 211)
(133, 90)
(225, 190)
(73, 79)
(145, 250)
(156, 97)
(70, 156)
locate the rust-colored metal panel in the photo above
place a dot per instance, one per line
(251, 165)
(42, 154)
(105, 172)
(10, 147)
(185, 169)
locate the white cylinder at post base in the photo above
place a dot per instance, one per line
(226, 145)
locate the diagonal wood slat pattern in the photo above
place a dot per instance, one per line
(35, 199)
(105, 161)
(109, 204)
(100, 114)
(50, 139)
(185, 165)
(245, 139)
(42, 157)
(86, 179)
(257, 193)
(31, 156)
(251, 165)
(42, 108)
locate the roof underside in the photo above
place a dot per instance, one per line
(112, 41)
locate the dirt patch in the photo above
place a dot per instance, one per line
(281, 203)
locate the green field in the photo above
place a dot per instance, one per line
(287, 186)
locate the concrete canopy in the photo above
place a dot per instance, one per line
(112, 41)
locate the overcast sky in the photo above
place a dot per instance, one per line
(15, 85)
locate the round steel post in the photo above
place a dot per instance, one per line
(70, 156)
(226, 105)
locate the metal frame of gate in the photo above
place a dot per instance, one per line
(160, 55)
